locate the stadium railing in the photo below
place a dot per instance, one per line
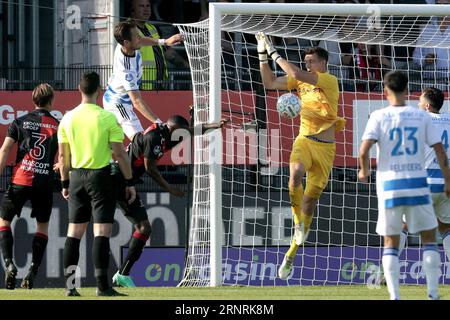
(26, 78)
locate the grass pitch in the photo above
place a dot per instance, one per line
(344, 292)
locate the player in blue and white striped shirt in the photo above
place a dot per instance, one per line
(431, 101)
(122, 94)
(401, 133)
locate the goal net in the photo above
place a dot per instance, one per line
(241, 223)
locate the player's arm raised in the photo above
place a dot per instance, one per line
(173, 40)
(364, 160)
(291, 70)
(442, 159)
(269, 79)
(152, 170)
(139, 103)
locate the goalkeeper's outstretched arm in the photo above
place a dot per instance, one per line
(270, 81)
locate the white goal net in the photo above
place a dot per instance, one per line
(251, 196)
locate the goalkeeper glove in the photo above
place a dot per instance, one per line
(261, 47)
(269, 46)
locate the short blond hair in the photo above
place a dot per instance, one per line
(42, 95)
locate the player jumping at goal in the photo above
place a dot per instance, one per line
(122, 94)
(145, 151)
(314, 148)
(401, 133)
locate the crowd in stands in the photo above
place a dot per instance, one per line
(361, 66)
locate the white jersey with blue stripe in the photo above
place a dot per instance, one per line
(402, 133)
(441, 123)
(126, 76)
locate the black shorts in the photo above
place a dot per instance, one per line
(16, 196)
(135, 211)
(91, 193)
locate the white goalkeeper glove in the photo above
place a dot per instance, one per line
(262, 38)
(261, 47)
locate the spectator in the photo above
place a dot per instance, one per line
(354, 61)
(340, 53)
(368, 64)
(434, 61)
(153, 56)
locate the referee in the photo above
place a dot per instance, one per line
(86, 136)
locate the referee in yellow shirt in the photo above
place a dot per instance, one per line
(88, 136)
(314, 148)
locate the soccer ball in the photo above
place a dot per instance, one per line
(288, 105)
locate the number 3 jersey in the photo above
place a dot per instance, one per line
(37, 143)
(402, 134)
(441, 124)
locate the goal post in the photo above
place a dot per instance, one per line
(241, 223)
(216, 146)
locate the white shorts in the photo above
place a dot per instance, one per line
(418, 218)
(441, 206)
(126, 117)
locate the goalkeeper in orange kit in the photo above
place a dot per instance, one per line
(314, 148)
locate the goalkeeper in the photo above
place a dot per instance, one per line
(314, 148)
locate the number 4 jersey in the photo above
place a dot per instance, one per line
(37, 144)
(402, 134)
(441, 124)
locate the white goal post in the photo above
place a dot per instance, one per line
(376, 24)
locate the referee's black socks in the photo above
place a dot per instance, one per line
(71, 256)
(100, 254)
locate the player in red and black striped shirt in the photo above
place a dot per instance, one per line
(32, 178)
(145, 151)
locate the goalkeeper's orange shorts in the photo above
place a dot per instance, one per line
(317, 158)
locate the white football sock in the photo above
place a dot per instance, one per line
(403, 238)
(446, 243)
(431, 262)
(391, 269)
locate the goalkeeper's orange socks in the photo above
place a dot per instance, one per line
(296, 197)
(292, 250)
(306, 220)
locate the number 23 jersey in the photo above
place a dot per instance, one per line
(402, 134)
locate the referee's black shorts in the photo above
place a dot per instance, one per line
(135, 212)
(92, 192)
(16, 196)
